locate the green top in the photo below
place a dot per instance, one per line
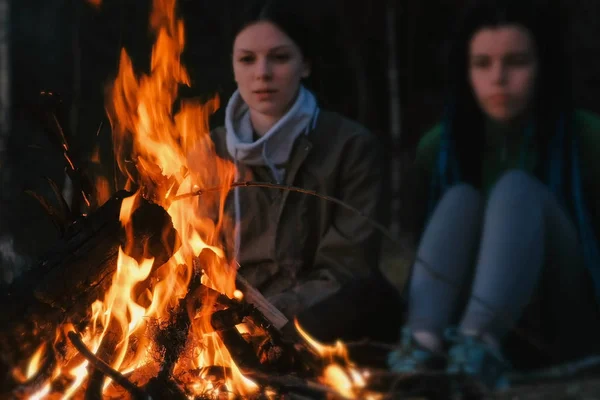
(499, 158)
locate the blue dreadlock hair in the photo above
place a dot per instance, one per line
(462, 140)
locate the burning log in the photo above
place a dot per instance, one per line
(104, 355)
(241, 351)
(173, 337)
(164, 388)
(266, 352)
(100, 365)
(78, 271)
(294, 387)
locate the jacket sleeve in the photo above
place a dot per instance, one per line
(349, 248)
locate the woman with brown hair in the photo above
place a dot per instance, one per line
(297, 250)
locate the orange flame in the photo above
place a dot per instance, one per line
(33, 365)
(173, 154)
(340, 374)
(102, 190)
(339, 350)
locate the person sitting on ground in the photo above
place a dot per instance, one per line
(296, 249)
(510, 177)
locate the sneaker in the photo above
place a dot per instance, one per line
(470, 356)
(410, 357)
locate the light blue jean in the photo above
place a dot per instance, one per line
(480, 262)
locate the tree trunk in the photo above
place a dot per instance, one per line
(6, 251)
(4, 73)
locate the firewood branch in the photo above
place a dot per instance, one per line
(296, 189)
(288, 383)
(382, 229)
(106, 369)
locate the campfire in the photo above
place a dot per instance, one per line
(141, 301)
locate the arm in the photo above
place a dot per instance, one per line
(349, 248)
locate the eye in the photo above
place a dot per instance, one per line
(518, 60)
(247, 59)
(480, 62)
(281, 57)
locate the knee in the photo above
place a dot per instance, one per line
(462, 193)
(516, 178)
(460, 199)
(517, 186)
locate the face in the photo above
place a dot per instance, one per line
(268, 67)
(502, 71)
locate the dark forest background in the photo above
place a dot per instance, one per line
(380, 63)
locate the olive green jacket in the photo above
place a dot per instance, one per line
(298, 249)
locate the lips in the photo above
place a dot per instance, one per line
(499, 98)
(264, 94)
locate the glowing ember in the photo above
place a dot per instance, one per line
(95, 3)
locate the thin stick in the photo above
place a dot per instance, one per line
(291, 383)
(436, 275)
(106, 369)
(369, 343)
(296, 189)
(567, 370)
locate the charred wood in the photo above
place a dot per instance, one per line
(106, 353)
(172, 338)
(79, 271)
(162, 387)
(240, 350)
(136, 393)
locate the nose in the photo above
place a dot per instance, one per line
(499, 72)
(263, 69)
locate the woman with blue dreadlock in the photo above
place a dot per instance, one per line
(510, 240)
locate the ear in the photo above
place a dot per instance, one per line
(306, 69)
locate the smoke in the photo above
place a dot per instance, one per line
(11, 263)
